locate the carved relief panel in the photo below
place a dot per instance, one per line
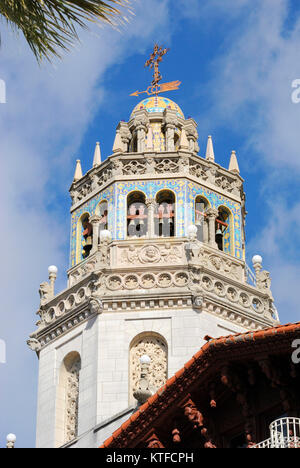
(156, 348)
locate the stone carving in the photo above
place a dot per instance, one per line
(263, 281)
(96, 305)
(167, 166)
(244, 300)
(223, 183)
(34, 345)
(72, 396)
(195, 280)
(131, 282)
(117, 168)
(181, 279)
(219, 288)
(224, 266)
(134, 167)
(150, 165)
(82, 272)
(148, 281)
(198, 301)
(46, 293)
(104, 250)
(104, 177)
(184, 164)
(156, 349)
(199, 171)
(164, 280)
(257, 305)
(151, 254)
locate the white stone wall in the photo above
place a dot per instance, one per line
(103, 344)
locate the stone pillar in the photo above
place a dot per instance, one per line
(212, 214)
(151, 204)
(141, 137)
(95, 221)
(205, 231)
(170, 138)
(52, 270)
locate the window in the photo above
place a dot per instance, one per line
(165, 214)
(137, 215)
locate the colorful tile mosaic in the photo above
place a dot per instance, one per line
(232, 237)
(185, 192)
(158, 104)
(91, 209)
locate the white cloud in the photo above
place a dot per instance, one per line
(257, 69)
(47, 113)
(278, 242)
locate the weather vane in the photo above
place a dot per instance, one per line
(153, 63)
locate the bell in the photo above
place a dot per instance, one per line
(219, 233)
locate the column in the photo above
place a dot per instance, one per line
(141, 137)
(212, 214)
(95, 221)
(151, 204)
(205, 230)
(170, 138)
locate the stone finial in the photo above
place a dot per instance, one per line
(118, 145)
(97, 155)
(233, 165)
(11, 440)
(144, 392)
(210, 155)
(192, 232)
(184, 143)
(78, 171)
(52, 270)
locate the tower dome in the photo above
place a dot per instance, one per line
(158, 104)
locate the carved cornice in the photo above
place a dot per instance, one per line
(155, 276)
(158, 165)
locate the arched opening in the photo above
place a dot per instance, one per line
(137, 215)
(87, 236)
(83, 237)
(155, 346)
(133, 144)
(102, 212)
(223, 230)
(201, 206)
(165, 214)
(176, 141)
(67, 412)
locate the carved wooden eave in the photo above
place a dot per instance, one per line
(215, 366)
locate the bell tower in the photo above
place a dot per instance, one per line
(157, 265)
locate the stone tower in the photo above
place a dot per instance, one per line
(157, 266)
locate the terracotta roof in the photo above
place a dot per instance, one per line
(199, 363)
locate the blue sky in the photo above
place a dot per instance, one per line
(236, 60)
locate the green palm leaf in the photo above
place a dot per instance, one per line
(50, 25)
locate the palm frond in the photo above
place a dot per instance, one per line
(49, 26)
